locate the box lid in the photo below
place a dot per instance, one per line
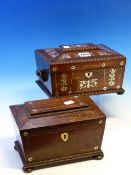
(55, 111)
(56, 106)
(78, 53)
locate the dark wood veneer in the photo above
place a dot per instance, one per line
(72, 131)
(80, 69)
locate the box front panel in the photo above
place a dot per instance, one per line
(89, 80)
(97, 79)
(65, 141)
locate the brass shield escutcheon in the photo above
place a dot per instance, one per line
(88, 74)
(64, 136)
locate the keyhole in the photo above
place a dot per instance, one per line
(88, 74)
(64, 136)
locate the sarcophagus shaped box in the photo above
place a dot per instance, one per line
(80, 69)
(58, 130)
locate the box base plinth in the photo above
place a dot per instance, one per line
(29, 167)
(47, 92)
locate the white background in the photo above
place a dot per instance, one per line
(116, 142)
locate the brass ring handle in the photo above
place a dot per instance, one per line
(43, 74)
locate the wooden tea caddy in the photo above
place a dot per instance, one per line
(58, 131)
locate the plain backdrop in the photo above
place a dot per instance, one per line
(26, 25)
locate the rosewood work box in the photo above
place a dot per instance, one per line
(58, 131)
(80, 69)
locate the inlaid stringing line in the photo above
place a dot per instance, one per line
(71, 81)
(55, 83)
(120, 75)
(104, 77)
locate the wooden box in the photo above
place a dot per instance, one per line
(80, 69)
(58, 131)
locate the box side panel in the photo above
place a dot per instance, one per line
(17, 132)
(43, 71)
(18, 135)
(20, 118)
